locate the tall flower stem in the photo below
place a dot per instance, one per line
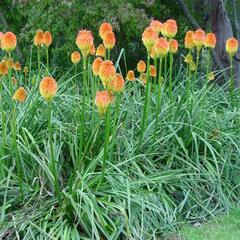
(155, 78)
(3, 118)
(15, 148)
(145, 110)
(231, 79)
(170, 76)
(39, 59)
(47, 56)
(158, 97)
(208, 62)
(165, 69)
(106, 145)
(52, 157)
(196, 70)
(82, 119)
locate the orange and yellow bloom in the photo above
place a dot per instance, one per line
(101, 51)
(169, 28)
(102, 100)
(84, 42)
(117, 84)
(107, 72)
(20, 95)
(149, 37)
(47, 38)
(105, 28)
(188, 41)
(96, 66)
(232, 46)
(3, 68)
(161, 47)
(130, 76)
(38, 38)
(173, 46)
(109, 40)
(141, 66)
(48, 88)
(152, 71)
(75, 57)
(9, 41)
(17, 66)
(156, 25)
(210, 41)
(199, 38)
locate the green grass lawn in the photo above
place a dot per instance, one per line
(222, 228)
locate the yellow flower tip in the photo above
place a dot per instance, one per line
(211, 76)
(130, 76)
(173, 46)
(47, 38)
(141, 66)
(20, 95)
(169, 28)
(48, 88)
(188, 41)
(14, 81)
(210, 41)
(92, 50)
(156, 25)
(75, 57)
(149, 37)
(105, 28)
(107, 72)
(17, 66)
(25, 70)
(232, 46)
(3, 68)
(161, 47)
(9, 41)
(101, 51)
(109, 40)
(153, 54)
(102, 100)
(38, 38)
(188, 59)
(143, 78)
(117, 84)
(96, 66)
(10, 63)
(199, 38)
(152, 71)
(84, 42)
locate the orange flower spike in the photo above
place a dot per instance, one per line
(84, 42)
(92, 50)
(156, 25)
(153, 54)
(141, 66)
(130, 76)
(188, 42)
(96, 66)
(48, 88)
(149, 37)
(101, 50)
(20, 95)
(153, 71)
(17, 66)
(47, 38)
(210, 41)
(109, 40)
(161, 47)
(105, 28)
(103, 100)
(75, 57)
(9, 41)
(173, 46)
(169, 28)
(107, 72)
(232, 46)
(117, 84)
(3, 68)
(38, 38)
(199, 38)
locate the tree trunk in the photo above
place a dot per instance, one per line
(222, 27)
